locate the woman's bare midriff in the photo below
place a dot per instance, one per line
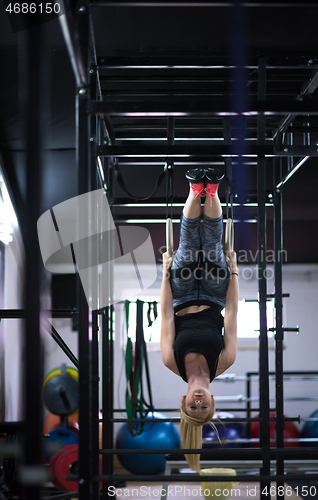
(191, 309)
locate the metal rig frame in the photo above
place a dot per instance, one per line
(96, 149)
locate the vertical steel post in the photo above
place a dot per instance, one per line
(30, 473)
(108, 366)
(95, 323)
(248, 403)
(95, 404)
(262, 287)
(279, 333)
(108, 363)
(84, 333)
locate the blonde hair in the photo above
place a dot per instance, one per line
(191, 433)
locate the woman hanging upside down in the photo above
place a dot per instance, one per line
(198, 282)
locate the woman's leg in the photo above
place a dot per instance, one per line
(215, 270)
(192, 207)
(189, 242)
(212, 230)
(183, 282)
(214, 209)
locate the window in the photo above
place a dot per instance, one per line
(248, 318)
(151, 333)
(8, 219)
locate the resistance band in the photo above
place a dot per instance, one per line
(136, 361)
(122, 184)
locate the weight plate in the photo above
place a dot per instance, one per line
(52, 421)
(62, 467)
(51, 447)
(65, 464)
(51, 374)
(72, 426)
(60, 395)
(72, 372)
(61, 435)
(52, 468)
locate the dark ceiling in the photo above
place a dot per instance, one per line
(182, 85)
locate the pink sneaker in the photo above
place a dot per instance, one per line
(211, 190)
(199, 189)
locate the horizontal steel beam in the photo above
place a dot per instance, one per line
(185, 152)
(286, 373)
(249, 199)
(196, 106)
(182, 152)
(225, 420)
(21, 313)
(197, 478)
(196, 161)
(174, 62)
(172, 410)
(141, 219)
(250, 464)
(219, 453)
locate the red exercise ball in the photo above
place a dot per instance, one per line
(290, 432)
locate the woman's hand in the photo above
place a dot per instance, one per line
(231, 261)
(167, 262)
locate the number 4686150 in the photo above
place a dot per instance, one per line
(33, 8)
(302, 491)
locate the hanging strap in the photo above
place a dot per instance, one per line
(129, 370)
(136, 359)
(143, 352)
(152, 306)
(132, 373)
(128, 366)
(149, 406)
(122, 184)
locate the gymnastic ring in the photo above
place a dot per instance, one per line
(169, 237)
(229, 236)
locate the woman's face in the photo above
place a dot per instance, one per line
(198, 403)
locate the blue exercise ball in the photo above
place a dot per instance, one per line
(156, 435)
(310, 430)
(228, 430)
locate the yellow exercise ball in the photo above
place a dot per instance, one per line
(218, 489)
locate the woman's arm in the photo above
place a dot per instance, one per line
(165, 292)
(228, 355)
(167, 318)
